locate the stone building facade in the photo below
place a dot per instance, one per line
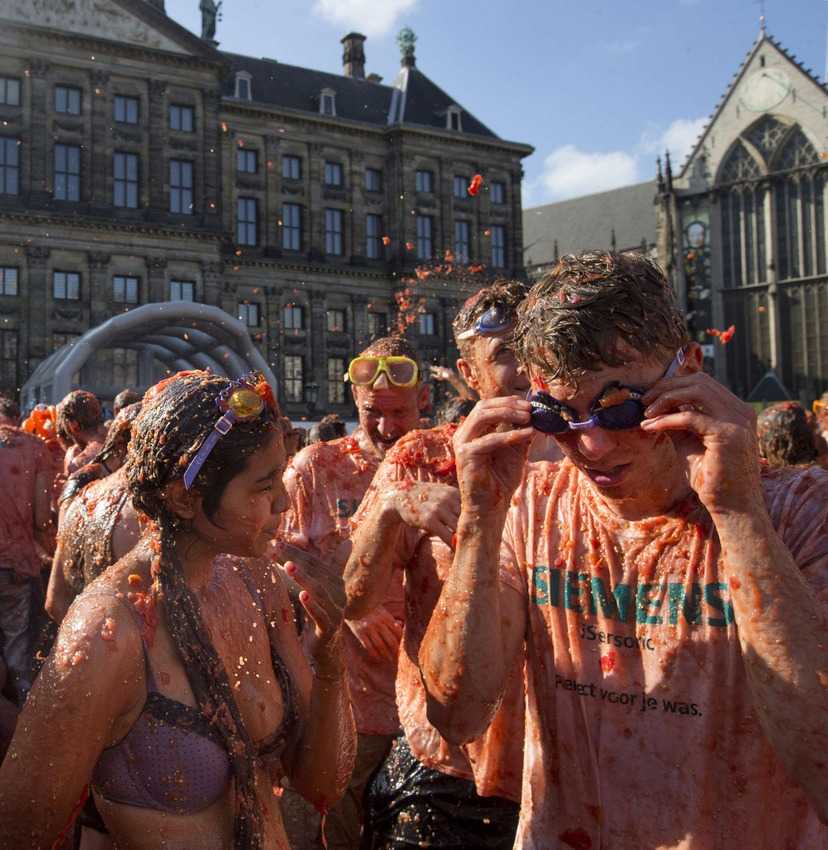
(138, 163)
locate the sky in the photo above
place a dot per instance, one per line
(599, 89)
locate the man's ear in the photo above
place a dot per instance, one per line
(181, 501)
(467, 374)
(693, 359)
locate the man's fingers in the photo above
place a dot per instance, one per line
(490, 443)
(688, 420)
(492, 417)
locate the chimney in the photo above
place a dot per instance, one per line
(353, 55)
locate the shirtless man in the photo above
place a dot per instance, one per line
(326, 482)
(672, 597)
(425, 793)
(80, 417)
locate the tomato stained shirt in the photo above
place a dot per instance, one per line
(641, 731)
(326, 483)
(494, 760)
(22, 458)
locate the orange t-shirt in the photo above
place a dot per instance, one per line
(494, 760)
(22, 458)
(640, 731)
(326, 483)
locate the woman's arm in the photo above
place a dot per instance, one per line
(93, 677)
(60, 593)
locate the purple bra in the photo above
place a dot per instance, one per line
(172, 759)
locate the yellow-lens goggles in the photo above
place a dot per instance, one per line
(402, 371)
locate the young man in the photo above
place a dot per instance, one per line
(26, 473)
(425, 791)
(80, 417)
(326, 482)
(673, 598)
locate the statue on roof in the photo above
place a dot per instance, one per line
(210, 13)
(406, 40)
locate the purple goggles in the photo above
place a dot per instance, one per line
(238, 403)
(494, 321)
(550, 416)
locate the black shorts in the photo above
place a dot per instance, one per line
(410, 805)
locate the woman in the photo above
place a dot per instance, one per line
(177, 687)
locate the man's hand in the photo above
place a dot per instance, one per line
(433, 508)
(719, 440)
(379, 633)
(490, 448)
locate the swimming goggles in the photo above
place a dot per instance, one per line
(402, 371)
(494, 321)
(550, 416)
(243, 401)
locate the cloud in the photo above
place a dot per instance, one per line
(569, 172)
(371, 17)
(627, 45)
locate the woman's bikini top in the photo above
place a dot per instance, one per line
(172, 759)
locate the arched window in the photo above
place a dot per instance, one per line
(800, 219)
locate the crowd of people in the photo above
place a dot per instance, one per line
(584, 607)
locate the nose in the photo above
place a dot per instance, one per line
(382, 382)
(595, 443)
(386, 428)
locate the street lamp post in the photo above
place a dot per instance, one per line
(311, 397)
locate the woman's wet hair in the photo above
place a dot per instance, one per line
(176, 418)
(574, 318)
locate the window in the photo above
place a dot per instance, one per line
(293, 317)
(377, 324)
(124, 367)
(425, 181)
(336, 321)
(373, 236)
(427, 324)
(125, 180)
(461, 241)
(498, 246)
(425, 224)
(291, 167)
(244, 89)
(327, 102)
(246, 221)
(336, 380)
(460, 187)
(8, 280)
(126, 109)
(181, 187)
(333, 174)
(67, 100)
(294, 377)
(9, 166)
(333, 232)
(9, 91)
(67, 173)
(8, 359)
(249, 315)
(291, 227)
(247, 161)
(497, 193)
(373, 180)
(66, 286)
(125, 289)
(61, 339)
(182, 118)
(182, 290)
(453, 119)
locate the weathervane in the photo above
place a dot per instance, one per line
(762, 19)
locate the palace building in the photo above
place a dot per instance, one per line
(140, 164)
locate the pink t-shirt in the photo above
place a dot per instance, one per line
(326, 483)
(22, 458)
(495, 760)
(640, 729)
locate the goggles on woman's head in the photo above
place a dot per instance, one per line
(243, 401)
(551, 416)
(494, 321)
(402, 371)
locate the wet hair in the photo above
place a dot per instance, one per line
(453, 410)
(9, 408)
(503, 293)
(390, 346)
(331, 427)
(124, 399)
(176, 418)
(80, 408)
(574, 317)
(785, 435)
(116, 445)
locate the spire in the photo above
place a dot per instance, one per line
(555, 253)
(613, 242)
(406, 40)
(659, 176)
(668, 171)
(763, 22)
